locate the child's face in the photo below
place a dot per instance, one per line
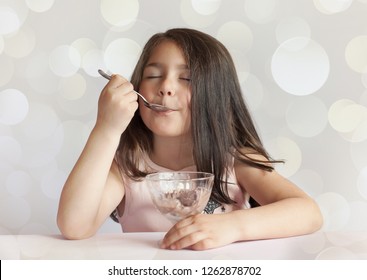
(166, 81)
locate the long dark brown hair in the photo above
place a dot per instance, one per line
(220, 121)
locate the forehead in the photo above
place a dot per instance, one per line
(167, 51)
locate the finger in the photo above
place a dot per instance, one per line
(178, 231)
(116, 81)
(191, 240)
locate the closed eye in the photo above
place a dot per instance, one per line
(152, 77)
(186, 79)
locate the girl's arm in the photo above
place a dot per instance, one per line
(285, 211)
(94, 187)
(92, 190)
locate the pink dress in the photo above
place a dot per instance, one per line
(140, 215)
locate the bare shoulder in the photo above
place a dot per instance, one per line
(263, 185)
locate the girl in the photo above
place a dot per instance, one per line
(211, 131)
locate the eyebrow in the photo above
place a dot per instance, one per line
(160, 65)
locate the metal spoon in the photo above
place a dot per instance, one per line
(154, 107)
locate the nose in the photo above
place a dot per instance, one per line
(167, 87)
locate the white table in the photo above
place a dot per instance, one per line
(144, 246)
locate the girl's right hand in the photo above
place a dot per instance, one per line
(116, 105)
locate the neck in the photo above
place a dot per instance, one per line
(174, 153)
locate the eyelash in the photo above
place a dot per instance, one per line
(156, 77)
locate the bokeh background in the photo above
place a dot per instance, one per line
(302, 66)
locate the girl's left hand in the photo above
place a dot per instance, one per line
(201, 232)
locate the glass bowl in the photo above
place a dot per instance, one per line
(180, 194)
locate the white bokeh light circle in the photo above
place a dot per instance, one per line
(236, 35)
(9, 21)
(358, 120)
(6, 69)
(73, 88)
(356, 55)
(261, 11)
(362, 182)
(252, 90)
(13, 106)
(40, 6)
(120, 13)
(206, 7)
(15, 212)
(335, 210)
(21, 44)
(93, 60)
(121, 56)
(52, 183)
(195, 18)
(19, 183)
(332, 6)
(292, 27)
(337, 118)
(12, 16)
(350, 119)
(304, 123)
(283, 148)
(300, 66)
(65, 61)
(86, 104)
(84, 45)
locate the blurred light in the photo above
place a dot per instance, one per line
(21, 44)
(73, 88)
(13, 106)
(121, 56)
(335, 210)
(40, 6)
(65, 61)
(356, 54)
(195, 18)
(206, 7)
(283, 148)
(332, 6)
(300, 66)
(120, 13)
